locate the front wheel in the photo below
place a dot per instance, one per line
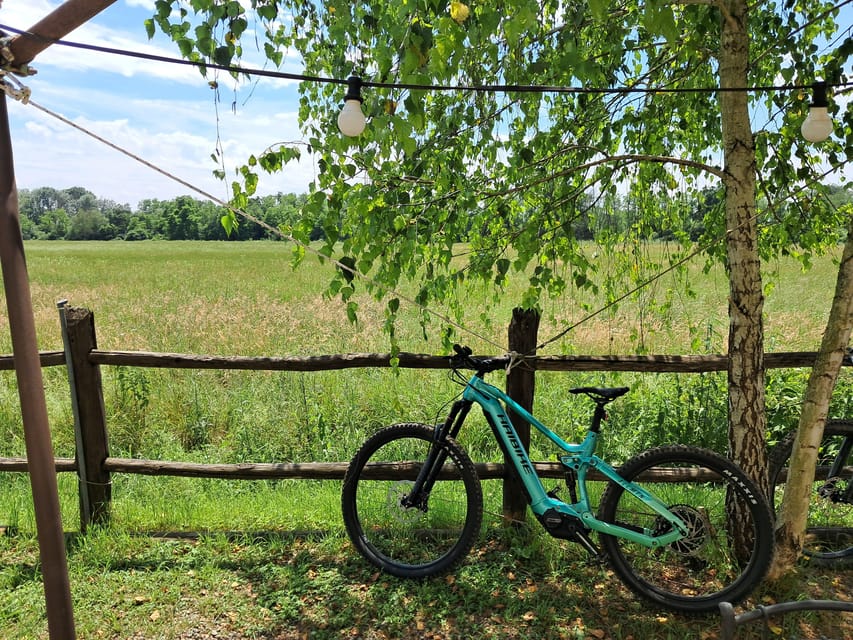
(405, 535)
(729, 543)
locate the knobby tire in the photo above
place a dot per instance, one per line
(411, 542)
(730, 544)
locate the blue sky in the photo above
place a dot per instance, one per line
(164, 113)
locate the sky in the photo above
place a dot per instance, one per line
(164, 113)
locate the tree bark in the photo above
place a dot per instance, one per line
(746, 298)
(520, 386)
(791, 526)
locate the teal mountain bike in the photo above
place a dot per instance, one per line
(681, 526)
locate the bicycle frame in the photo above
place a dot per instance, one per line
(578, 457)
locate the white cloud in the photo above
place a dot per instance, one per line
(161, 112)
(49, 152)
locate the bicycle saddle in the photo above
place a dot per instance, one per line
(603, 393)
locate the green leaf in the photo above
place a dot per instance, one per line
(222, 55)
(163, 8)
(229, 222)
(268, 11)
(660, 18)
(599, 8)
(233, 9)
(352, 309)
(186, 46)
(149, 28)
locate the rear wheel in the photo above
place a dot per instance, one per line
(829, 525)
(405, 535)
(730, 536)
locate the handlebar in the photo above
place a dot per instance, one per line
(481, 364)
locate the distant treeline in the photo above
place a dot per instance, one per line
(78, 214)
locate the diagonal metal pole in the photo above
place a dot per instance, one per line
(40, 460)
(57, 24)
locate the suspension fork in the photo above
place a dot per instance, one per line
(428, 474)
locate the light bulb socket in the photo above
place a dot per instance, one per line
(353, 89)
(817, 126)
(819, 95)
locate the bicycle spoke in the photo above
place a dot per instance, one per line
(402, 532)
(829, 524)
(721, 557)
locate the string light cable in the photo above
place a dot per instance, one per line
(516, 359)
(485, 88)
(15, 89)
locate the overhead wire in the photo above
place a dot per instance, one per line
(484, 88)
(495, 88)
(440, 316)
(276, 231)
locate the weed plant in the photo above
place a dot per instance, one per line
(243, 299)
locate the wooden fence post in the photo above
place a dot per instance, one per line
(90, 423)
(520, 383)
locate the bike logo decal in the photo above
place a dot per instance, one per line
(517, 447)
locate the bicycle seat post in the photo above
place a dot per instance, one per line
(599, 415)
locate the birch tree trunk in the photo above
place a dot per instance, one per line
(746, 298)
(791, 526)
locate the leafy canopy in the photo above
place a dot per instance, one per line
(519, 176)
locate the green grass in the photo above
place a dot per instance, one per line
(250, 574)
(280, 586)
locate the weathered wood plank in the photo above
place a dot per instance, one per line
(648, 364)
(20, 464)
(47, 359)
(87, 400)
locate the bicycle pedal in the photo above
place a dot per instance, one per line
(553, 493)
(596, 560)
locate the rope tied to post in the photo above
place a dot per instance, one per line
(13, 87)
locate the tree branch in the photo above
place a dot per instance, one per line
(628, 157)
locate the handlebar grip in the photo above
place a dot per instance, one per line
(464, 352)
(464, 360)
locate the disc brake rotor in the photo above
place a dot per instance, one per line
(698, 525)
(394, 502)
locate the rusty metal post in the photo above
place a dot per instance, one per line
(57, 24)
(40, 460)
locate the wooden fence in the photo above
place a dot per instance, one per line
(94, 465)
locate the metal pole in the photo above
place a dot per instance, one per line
(61, 21)
(730, 621)
(40, 461)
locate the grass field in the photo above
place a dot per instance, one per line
(251, 575)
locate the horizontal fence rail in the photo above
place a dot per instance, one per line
(334, 470)
(48, 359)
(639, 364)
(93, 464)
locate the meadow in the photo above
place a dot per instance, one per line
(271, 560)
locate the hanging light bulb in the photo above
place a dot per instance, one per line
(351, 119)
(817, 127)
